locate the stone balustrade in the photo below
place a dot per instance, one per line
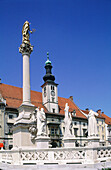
(78, 155)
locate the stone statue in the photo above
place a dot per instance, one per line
(92, 124)
(25, 32)
(67, 121)
(41, 122)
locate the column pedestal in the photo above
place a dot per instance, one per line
(69, 142)
(21, 134)
(93, 141)
(24, 113)
(42, 142)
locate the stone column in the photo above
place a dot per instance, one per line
(21, 134)
(26, 50)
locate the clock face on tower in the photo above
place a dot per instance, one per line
(52, 93)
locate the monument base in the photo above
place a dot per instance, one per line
(69, 142)
(25, 110)
(93, 141)
(42, 142)
(21, 134)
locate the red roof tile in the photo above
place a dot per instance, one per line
(99, 115)
(107, 119)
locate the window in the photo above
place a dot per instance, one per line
(97, 120)
(75, 131)
(52, 131)
(56, 131)
(102, 122)
(83, 124)
(63, 130)
(10, 132)
(44, 91)
(102, 137)
(10, 147)
(98, 128)
(75, 123)
(52, 88)
(52, 99)
(74, 113)
(102, 129)
(10, 116)
(53, 110)
(84, 132)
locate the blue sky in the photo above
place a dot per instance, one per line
(77, 35)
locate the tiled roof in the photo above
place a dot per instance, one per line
(13, 96)
(107, 119)
(72, 106)
(87, 112)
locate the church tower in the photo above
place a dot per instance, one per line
(49, 89)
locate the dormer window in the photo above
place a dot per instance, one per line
(74, 113)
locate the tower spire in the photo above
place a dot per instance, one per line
(48, 77)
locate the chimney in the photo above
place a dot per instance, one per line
(71, 98)
(99, 111)
(0, 81)
(102, 112)
(87, 109)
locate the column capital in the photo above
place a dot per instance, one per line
(25, 48)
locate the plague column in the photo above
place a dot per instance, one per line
(22, 124)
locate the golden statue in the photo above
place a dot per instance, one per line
(25, 32)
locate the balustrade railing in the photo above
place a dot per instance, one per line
(56, 155)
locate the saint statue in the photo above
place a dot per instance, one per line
(67, 121)
(25, 32)
(92, 124)
(41, 122)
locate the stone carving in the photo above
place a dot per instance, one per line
(33, 126)
(25, 48)
(33, 116)
(32, 155)
(7, 156)
(92, 124)
(41, 122)
(33, 131)
(102, 153)
(25, 32)
(67, 121)
(69, 155)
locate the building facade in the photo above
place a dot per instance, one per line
(11, 99)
